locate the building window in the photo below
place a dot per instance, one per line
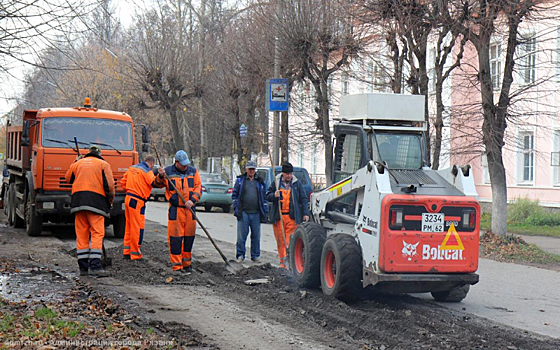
(345, 84)
(314, 160)
(485, 171)
(527, 157)
(496, 65)
(528, 60)
(369, 77)
(432, 71)
(557, 54)
(300, 154)
(555, 158)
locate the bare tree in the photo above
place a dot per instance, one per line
(318, 38)
(484, 18)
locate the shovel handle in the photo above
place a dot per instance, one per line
(194, 214)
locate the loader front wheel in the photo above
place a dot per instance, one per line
(306, 245)
(341, 267)
(454, 295)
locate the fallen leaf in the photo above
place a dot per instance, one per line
(168, 279)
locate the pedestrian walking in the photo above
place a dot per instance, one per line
(288, 193)
(182, 223)
(137, 182)
(93, 192)
(251, 209)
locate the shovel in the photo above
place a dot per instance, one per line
(105, 259)
(232, 266)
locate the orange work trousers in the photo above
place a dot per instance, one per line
(90, 227)
(134, 211)
(289, 227)
(181, 229)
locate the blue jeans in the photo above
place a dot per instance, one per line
(254, 222)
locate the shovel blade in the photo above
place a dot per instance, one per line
(234, 267)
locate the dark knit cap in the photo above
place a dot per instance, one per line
(287, 168)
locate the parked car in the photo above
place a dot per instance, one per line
(301, 174)
(216, 192)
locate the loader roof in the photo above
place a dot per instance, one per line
(382, 108)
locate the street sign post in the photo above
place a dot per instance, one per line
(277, 95)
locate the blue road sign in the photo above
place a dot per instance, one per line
(242, 130)
(278, 95)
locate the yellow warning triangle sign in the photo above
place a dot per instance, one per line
(458, 246)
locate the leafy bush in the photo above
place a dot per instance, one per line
(525, 212)
(521, 209)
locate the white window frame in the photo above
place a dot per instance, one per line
(432, 72)
(528, 59)
(557, 55)
(485, 170)
(496, 65)
(369, 76)
(526, 155)
(555, 158)
(345, 84)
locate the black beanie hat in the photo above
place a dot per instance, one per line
(287, 168)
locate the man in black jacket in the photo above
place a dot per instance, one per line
(288, 193)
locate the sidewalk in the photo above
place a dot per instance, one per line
(548, 244)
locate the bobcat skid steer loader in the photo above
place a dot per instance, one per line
(388, 220)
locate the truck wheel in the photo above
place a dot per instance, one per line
(11, 210)
(119, 225)
(306, 245)
(16, 220)
(341, 267)
(33, 221)
(453, 295)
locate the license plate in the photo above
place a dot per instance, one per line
(216, 190)
(433, 222)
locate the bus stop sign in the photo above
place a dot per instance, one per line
(278, 96)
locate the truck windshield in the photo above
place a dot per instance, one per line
(115, 134)
(400, 151)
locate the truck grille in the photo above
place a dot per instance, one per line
(53, 182)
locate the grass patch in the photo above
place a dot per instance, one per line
(526, 217)
(514, 249)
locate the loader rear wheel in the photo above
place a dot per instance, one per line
(341, 267)
(453, 295)
(306, 245)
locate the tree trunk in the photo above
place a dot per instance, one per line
(284, 134)
(177, 139)
(438, 125)
(493, 135)
(200, 73)
(327, 136)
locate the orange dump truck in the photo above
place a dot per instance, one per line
(39, 152)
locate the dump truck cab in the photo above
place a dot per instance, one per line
(414, 229)
(40, 151)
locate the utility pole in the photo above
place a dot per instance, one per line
(276, 118)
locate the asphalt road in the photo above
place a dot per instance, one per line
(519, 296)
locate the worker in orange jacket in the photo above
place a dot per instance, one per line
(93, 192)
(181, 224)
(137, 182)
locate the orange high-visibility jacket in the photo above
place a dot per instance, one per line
(93, 186)
(188, 182)
(138, 180)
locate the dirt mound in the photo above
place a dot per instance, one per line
(378, 322)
